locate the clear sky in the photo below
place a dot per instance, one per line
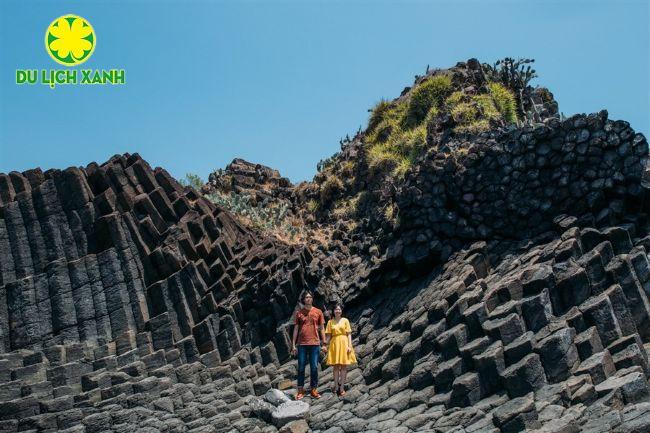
(280, 82)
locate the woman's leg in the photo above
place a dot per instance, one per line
(335, 373)
(342, 375)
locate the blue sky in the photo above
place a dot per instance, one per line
(280, 82)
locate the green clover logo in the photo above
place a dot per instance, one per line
(70, 40)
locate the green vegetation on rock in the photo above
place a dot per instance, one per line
(378, 114)
(468, 99)
(330, 189)
(267, 217)
(399, 151)
(476, 113)
(397, 131)
(346, 208)
(193, 180)
(430, 93)
(505, 101)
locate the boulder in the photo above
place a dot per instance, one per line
(290, 411)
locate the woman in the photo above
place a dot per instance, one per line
(340, 353)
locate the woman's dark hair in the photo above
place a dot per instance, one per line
(305, 294)
(338, 304)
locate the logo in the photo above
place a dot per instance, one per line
(70, 40)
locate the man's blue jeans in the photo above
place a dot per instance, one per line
(308, 352)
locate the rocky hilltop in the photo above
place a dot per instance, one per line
(491, 254)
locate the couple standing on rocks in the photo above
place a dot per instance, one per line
(309, 332)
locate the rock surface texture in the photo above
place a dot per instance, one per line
(512, 296)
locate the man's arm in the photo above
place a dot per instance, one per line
(322, 328)
(295, 338)
(322, 334)
(323, 347)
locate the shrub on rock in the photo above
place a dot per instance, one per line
(430, 93)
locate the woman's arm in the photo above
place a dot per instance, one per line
(349, 334)
(328, 333)
(326, 337)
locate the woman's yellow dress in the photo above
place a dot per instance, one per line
(337, 351)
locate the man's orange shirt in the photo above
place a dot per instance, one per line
(309, 322)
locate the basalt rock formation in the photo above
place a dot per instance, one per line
(509, 293)
(256, 180)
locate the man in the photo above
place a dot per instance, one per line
(308, 333)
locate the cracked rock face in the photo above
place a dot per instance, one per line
(513, 184)
(513, 297)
